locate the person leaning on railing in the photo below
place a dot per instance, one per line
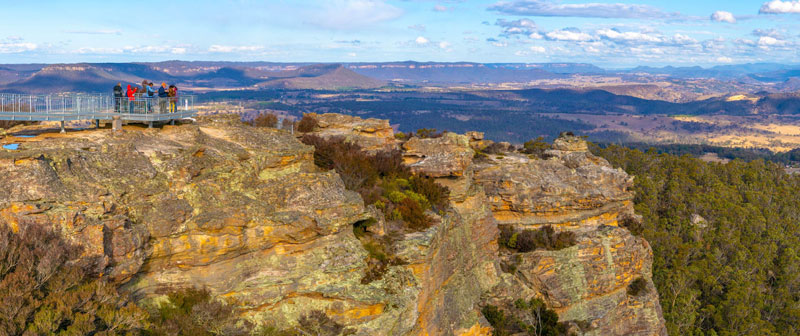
(162, 98)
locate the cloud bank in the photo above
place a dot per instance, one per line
(589, 10)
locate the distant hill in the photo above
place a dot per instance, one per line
(325, 77)
(451, 73)
(687, 83)
(102, 77)
(754, 70)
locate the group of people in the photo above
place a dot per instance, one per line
(145, 95)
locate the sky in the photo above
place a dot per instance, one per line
(611, 34)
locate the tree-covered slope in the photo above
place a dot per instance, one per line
(725, 241)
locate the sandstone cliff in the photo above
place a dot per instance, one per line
(245, 213)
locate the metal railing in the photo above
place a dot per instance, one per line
(68, 107)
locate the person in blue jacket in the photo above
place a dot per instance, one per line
(162, 98)
(151, 93)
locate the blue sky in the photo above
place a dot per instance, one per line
(613, 34)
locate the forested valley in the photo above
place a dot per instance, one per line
(724, 238)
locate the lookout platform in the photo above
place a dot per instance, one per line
(72, 106)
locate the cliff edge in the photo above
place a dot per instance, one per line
(246, 213)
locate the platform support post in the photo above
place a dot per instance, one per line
(150, 125)
(172, 122)
(97, 123)
(63, 130)
(116, 124)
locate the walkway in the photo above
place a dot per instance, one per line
(72, 106)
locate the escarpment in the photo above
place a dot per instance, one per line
(245, 212)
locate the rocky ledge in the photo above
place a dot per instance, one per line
(244, 212)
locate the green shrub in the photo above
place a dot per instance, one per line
(265, 120)
(193, 311)
(524, 317)
(497, 318)
(535, 147)
(428, 133)
(307, 124)
(529, 240)
(396, 196)
(382, 179)
(437, 195)
(414, 215)
(544, 238)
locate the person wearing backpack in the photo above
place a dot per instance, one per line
(117, 97)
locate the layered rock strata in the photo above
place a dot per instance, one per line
(245, 213)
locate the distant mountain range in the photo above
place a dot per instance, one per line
(201, 76)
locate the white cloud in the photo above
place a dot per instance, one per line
(95, 32)
(349, 14)
(599, 10)
(538, 49)
(568, 35)
(536, 36)
(723, 16)
(16, 47)
(724, 59)
(440, 8)
(770, 41)
(90, 50)
(178, 51)
(522, 26)
(230, 49)
(444, 45)
(681, 39)
(780, 7)
(422, 40)
(612, 34)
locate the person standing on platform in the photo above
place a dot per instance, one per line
(162, 98)
(117, 97)
(131, 93)
(173, 99)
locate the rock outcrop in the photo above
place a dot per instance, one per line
(586, 284)
(371, 134)
(245, 213)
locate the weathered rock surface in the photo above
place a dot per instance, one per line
(371, 134)
(576, 190)
(244, 212)
(448, 155)
(585, 284)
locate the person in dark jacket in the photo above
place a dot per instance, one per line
(117, 96)
(162, 98)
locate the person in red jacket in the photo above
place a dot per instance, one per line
(131, 94)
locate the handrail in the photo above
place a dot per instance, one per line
(77, 106)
